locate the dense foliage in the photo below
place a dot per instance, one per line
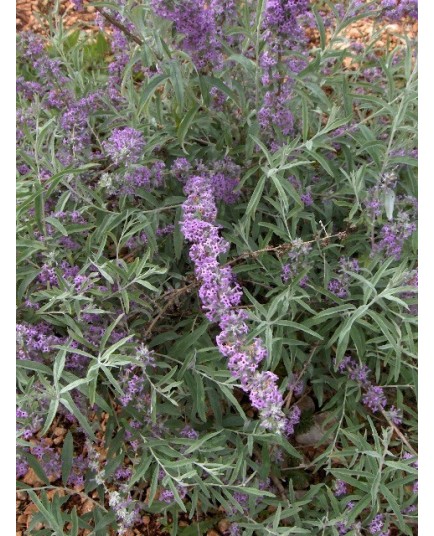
(217, 270)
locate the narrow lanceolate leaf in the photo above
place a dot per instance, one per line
(177, 83)
(51, 414)
(67, 457)
(186, 123)
(255, 198)
(389, 203)
(151, 87)
(67, 401)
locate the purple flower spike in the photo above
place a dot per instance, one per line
(220, 294)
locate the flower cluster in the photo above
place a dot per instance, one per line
(125, 509)
(197, 21)
(125, 148)
(75, 122)
(382, 198)
(51, 463)
(223, 175)
(283, 34)
(120, 47)
(340, 488)
(373, 397)
(220, 295)
(33, 341)
(297, 256)
(400, 9)
(393, 236)
(340, 285)
(376, 526)
(78, 5)
(125, 145)
(133, 380)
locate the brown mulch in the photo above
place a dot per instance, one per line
(30, 14)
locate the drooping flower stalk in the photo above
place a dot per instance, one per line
(220, 296)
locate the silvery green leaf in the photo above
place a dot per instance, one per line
(389, 203)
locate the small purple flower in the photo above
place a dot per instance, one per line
(342, 527)
(340, 488)
(197, 22)
(338, 288)
(21, 467)
(340, 285)
(166, 230)
(234, 530)
(346, 362)
(123, 473)
(307, 199)
(359, 373)
(376, 525)
(293, 420)
(78, 5)
(374, 398)
(21, 414)
(189, 433)
(146, 356)
(180, 169)
(286, 273)
(395, 415)
(166, 496)
(393, 235)
(297, 386)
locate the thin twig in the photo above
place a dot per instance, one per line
(119, 25)
(176, 294)
(399, 433)
(283, 248)
(288, 398)
(275, 480)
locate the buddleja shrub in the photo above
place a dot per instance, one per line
(217, 270)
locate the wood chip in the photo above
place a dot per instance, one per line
(31, 479)
(52, 492)
(38, 526)
(31, 509)
(87, 506)
(223, 525)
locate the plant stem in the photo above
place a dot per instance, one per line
(119, 26)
